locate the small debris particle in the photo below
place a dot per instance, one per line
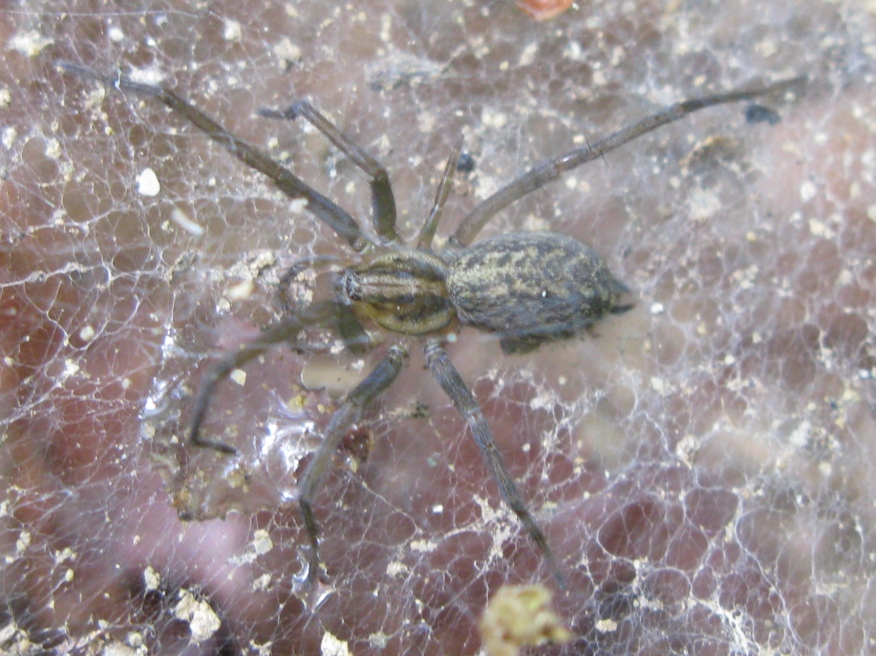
(238, 376)
(53, 149)
(185, 222)
(400, 69)
(333, 646)
(262, 583)
(287, 51)
(528, 54)
(519, 616)
(261, 542)
(703, 205)
(29, 44)
(298, 205)
(494, 120)
(241, 291)
(201, 618)
(232, 30)
(151, 578)
(9, 136)
(606, 626)
(147, 183)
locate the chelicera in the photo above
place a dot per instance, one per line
(527, 288)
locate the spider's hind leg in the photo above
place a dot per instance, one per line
(467, 406)
(348, 413)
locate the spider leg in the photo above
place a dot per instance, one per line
(330, 213)
(299, 267)
(554, 168)
(382, 199)
(467, 406)
(348, 413)
(286, 330)
(354, 336)
(427, 232)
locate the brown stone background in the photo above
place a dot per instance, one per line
(701, 465)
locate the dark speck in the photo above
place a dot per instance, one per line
(465, 163)
(760, 114)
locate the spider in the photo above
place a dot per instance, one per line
(528, 288)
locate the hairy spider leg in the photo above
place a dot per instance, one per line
(284, 331)
(354, 336)
(466, 405)
(348, 413)
(382, 199)
(427, 232)
(550, 170)
(324, 209)
(300, 266)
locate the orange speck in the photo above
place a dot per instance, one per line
(544, 9)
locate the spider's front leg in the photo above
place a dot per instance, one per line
(347, 414)
(285, 331)
(324, 209)
(382, 199)
(467, 406)
(552, 169)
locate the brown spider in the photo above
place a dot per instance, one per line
(529, 288)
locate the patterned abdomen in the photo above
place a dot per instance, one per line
(532, 288)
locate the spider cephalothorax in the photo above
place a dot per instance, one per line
(404, 291)
(528, 288)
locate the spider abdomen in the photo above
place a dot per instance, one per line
(531, 288)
